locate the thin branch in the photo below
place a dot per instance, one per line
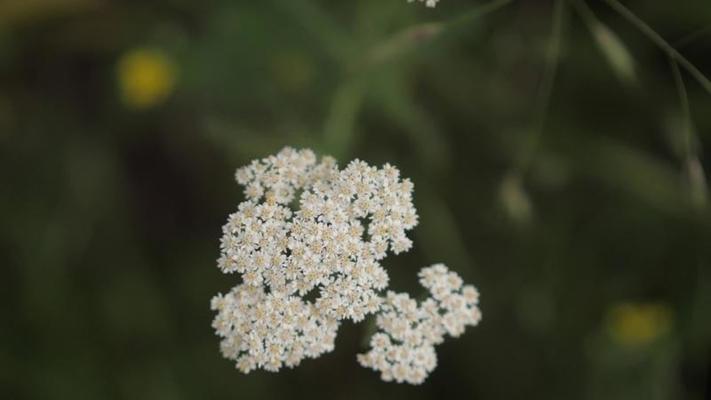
(693, 36)
(695, 171)
(685, 109)
(545, 90)
(661, 43)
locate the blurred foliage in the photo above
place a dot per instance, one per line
(575, 201)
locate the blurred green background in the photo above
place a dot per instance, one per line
(556, 165)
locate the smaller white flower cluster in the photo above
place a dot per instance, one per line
(428, 3)
(404, 349)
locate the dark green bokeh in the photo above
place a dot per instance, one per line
(558, 207)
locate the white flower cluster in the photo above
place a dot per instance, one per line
(404, 350)
(307, 244)
(428, 3)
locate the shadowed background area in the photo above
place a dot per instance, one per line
(556, 150)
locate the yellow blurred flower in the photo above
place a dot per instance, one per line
(636, 324)
(146, 78)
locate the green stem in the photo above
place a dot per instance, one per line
(661, 43)
(693, 36)
(685, 109)
(697, 178)
(340, 124)
(546, 87)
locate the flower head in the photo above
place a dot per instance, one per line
(308, 244)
